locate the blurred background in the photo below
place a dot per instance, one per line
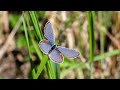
(71, 30)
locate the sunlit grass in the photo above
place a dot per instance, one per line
(57, 71)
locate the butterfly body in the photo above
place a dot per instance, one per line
(53, 47)
(53, 51)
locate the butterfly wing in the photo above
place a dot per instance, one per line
(56, 56)
(48, 33)
(45, 46)
(69, 53)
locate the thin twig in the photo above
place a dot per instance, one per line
(10, 38)
(113, 39)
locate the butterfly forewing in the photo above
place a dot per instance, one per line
(45, 46)
(69, 53)
(56, 56)
(48, 33)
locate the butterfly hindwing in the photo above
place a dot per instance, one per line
(45, 46)
(56, 56)
(48, 33)
(69, 53)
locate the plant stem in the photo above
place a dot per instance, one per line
(101, 40)
(91, 41)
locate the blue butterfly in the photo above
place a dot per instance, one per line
(53, 51)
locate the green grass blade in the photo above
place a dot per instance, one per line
(28, 45)
(44, 60)
(42, 64)
(108, 54)
(41, 67)
(39, 34)
(102, 38)
(51, 71)
(37, 49)
(35, 22)
(56, 68)
(65, 72)
(35, 45)
(91, 36)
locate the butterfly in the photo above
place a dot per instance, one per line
(55, 52)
